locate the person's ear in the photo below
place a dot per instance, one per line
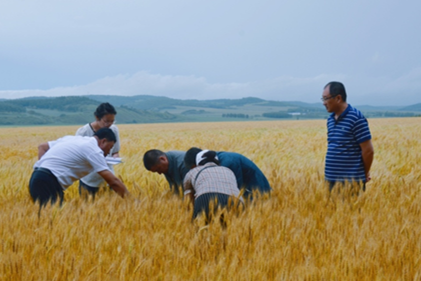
(163, 159)
(102, 142)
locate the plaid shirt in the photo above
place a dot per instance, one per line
(212, 178)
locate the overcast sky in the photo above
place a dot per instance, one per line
(197, 49)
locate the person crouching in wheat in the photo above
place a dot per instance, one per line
(208, 185)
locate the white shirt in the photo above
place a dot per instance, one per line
(93, 179)
(72, 157)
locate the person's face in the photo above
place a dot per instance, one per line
(106, 121)
(161, 167)
(106, 146)
(329, 102)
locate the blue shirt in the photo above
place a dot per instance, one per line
(344, 160)
(247, 174)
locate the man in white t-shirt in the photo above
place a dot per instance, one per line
(63, 161)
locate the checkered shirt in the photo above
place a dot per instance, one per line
(213, 178)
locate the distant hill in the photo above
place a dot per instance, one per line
(158, 102)
(70, 111)
(414, 107)
(73, 110)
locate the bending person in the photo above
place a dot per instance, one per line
(249, 176)
(172, 165)
(63, 161)
(105, 117)
(208, 183)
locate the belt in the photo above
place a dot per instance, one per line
(44, 170)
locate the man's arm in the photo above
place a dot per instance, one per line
(114, 182)
(367, 152)
(116, 154)
(188, 191)
(42, 149)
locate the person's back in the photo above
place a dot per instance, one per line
(208, 182)
(213, 178)
(68, 158)
(248, 175)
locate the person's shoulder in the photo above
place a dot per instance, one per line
(84, 130)
(355, 112)
(175, 153)
(114, 128)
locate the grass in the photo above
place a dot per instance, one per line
(299, 233)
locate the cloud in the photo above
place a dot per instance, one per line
(403, 90)
(190, 87)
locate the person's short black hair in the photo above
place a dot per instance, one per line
(151, 157)
(104, 109)
(336, 89)
(106, 133)
(190, 157)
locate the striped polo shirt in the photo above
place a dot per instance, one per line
(343, 158)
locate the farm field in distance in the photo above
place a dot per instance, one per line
(299, 233)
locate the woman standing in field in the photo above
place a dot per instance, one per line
(208, 184)
(104, 118)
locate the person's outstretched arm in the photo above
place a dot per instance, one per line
(115, 183)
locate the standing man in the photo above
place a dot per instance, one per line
(350, 150)
(67, 159)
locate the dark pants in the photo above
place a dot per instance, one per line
(354, 185)
(90, 189)
(44, 186)
(209, 203)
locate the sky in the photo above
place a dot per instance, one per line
(197, 49)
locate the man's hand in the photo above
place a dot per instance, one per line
(367, 177)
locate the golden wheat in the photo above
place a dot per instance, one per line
(299, 233)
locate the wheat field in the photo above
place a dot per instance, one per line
(299, 233)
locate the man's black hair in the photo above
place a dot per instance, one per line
(151, 157)
(106, 133)
(336, 89)
(104, 109)
(190, 157)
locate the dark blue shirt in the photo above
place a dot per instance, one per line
(248, 175)
(344, 160)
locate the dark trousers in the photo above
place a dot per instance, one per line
(209, 203)
(91, 190)
(354, 185)
(44, 187)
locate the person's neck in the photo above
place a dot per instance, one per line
(95, 126)
(340, 110)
